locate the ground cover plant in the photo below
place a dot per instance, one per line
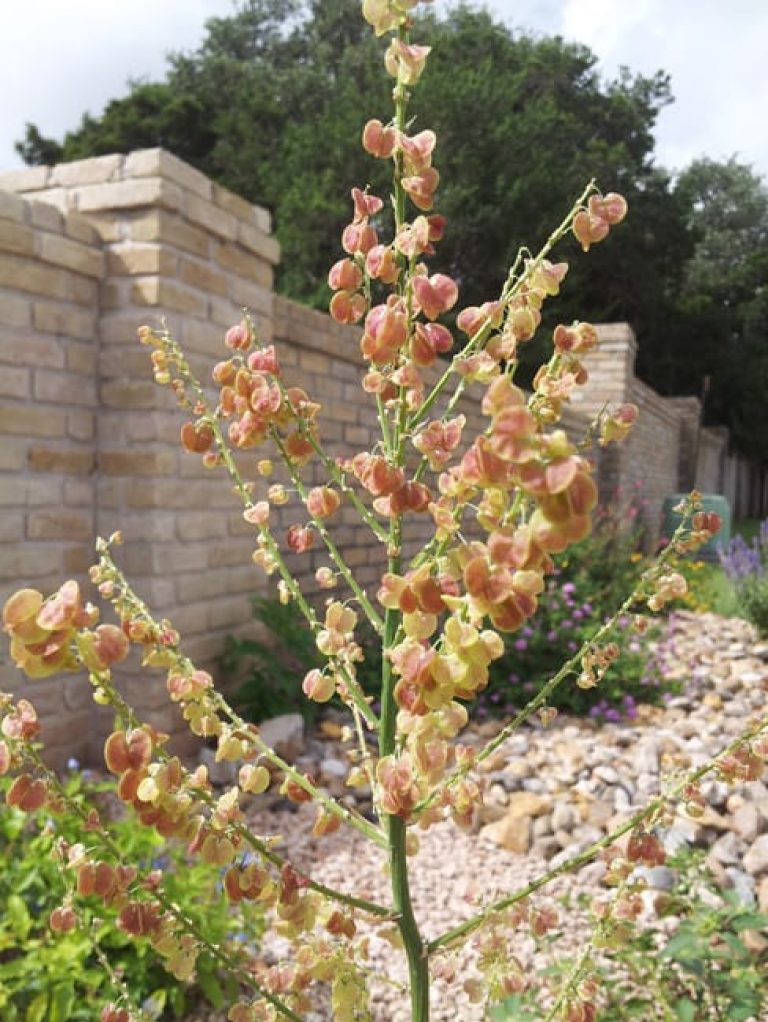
(503, 504)
(49, 976)
(746, 566)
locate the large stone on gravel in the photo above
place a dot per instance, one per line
(756, 859)
(726, 850)
(284, 734)
(222, 774)
(513, 832)
(528, 803)
(746, 822)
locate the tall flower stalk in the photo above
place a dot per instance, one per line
(503, 504)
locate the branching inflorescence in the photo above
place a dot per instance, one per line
(503, 504)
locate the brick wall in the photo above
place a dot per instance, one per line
(88, 443)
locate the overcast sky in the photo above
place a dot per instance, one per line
(61, 58)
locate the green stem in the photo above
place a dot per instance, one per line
(418, 964)
(569, 667)
(375, 621)
(232, 966)
(510, 289)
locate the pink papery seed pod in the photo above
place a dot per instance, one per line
(378, 140)
(435, 295)
(345, 275)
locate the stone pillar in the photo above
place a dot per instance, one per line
(179, 249)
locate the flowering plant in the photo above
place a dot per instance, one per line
(501, 503)
(746, 567)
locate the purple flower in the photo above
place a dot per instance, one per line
(569, 588)
(551, 636)
(613, 715)
(566, 623)
(572, 646)
(578, 614)
(587, 608)
(514, 678)
(521, 645)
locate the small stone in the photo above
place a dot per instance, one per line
(746, 822)
(545, 847)
(542, 826)
(534, 785)
(762, 894)
(599, 813)
(333, 768)
(564, 817)
(608, 774)
(661, 878)
(743, 885)
(284, 734)
(756, 859)
(726, 850)
(528, 803)
(513, 833)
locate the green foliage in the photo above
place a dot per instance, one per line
(49, 977)
(269, 105)
(704, 970)
(587, 587)
(272, 668)
(752, 601)
(718, 320)
(746, 566)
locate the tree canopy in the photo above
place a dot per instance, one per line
(273, 101)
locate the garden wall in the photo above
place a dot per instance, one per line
(88, 443)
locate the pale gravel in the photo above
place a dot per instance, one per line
(454, 872)
(450, 876)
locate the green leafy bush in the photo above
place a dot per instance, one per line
(58, 977)
(706, 969)
(591, 581)
(272, 668)
(746, 566)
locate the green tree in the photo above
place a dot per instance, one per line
(269, 105)
(718, 325)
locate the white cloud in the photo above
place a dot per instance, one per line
(59, 59)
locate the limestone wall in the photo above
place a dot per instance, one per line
(88, 442)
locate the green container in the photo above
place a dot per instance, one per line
(670, 519)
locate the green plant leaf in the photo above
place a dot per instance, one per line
(61, 1003)
(685, 1010)
(18, 916)
(750, 921)
(38, 1009)
(209, 984)
(684, 946)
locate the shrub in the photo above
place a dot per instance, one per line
(704, 967)
(60, 977)
(746, 566)
(272, 668)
